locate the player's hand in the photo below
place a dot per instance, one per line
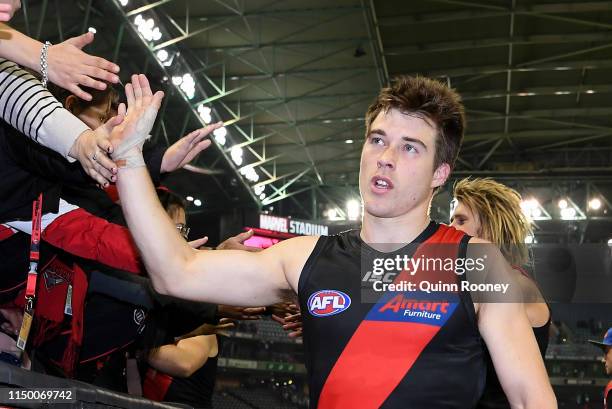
(70, 67)
(142, 107)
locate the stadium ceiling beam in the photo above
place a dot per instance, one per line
(329, 138)
(151, 56)
(449, 16)
(545, 120)
(283, 196)
(488, 137)
(561, 112)
(302, 98)
(376, 43)
(296, 73)
(528, 12)
(537, 91)
(569, 142)
(498, 69)
(284, 101)
(315, 120)
(508, 94)
(267, 11)
(147, 7)
(445, 46)
(281, 44)
(539, 61)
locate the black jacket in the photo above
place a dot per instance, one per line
(28, 169)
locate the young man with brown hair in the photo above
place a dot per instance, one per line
(357, 355)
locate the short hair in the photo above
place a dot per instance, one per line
(431, 100)
(108, 96)
(502, 220)
(169, 200)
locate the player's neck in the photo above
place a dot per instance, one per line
(401, 229)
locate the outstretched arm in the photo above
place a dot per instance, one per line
(223, 277)
(68, 65)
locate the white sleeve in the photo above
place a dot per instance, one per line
(28, 107)
(25, 226)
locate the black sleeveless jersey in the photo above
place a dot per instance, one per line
(400, 351)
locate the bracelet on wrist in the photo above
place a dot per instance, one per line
(43, 63)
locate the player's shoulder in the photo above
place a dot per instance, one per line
(478, 240)
(296, 247)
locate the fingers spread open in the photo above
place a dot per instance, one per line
(130, 97)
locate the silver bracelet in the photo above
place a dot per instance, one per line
(43, 63)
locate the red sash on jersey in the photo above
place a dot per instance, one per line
(385, 345)
(156, 385)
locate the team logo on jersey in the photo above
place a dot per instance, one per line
(415, 307)
(328, 302)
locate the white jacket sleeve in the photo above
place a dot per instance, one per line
(28, 107)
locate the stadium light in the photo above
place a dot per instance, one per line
(259, 189)
(569, 213)
(562, 204)
(162, 55)
(594, 204)
(236, 154)
(220, 135)
(206, 115)
(353, 209)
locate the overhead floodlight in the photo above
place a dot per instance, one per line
(220, 136)
(594, 203)
(189, 198)
(236, 154)
(259, 189)
(334, 214)
(569, 213)
(262, 196)
(353, 209)
(562, 204)
(188, 85)
(162, 55)
(92, 30)
(197, 202)
(206, 114)
(533, 210)
(124, 2)
(156, 34)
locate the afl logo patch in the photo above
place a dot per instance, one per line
(328, 302)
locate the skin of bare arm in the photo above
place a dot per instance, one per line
(184, 358)
(508, 334)
(224, 277)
